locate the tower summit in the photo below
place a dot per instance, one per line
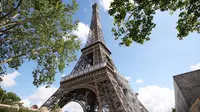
(94, 82)
(95, 33)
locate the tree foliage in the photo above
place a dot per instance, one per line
(2, 94)
(39, 31)
(133, 19)
(8, 97)
(173, 110)
(15, 110)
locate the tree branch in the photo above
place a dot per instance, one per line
(17, 56)
(7, 29)
(9, 24)
(11, 11)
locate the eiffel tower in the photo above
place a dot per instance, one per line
(94, 82)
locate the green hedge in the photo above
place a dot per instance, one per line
(24, 110)
(8, 110)
(14, 110)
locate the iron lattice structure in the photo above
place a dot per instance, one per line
(94, 82)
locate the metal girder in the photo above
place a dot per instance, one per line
(96, 89)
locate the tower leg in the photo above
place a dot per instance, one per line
(112, 97)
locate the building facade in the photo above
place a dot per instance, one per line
(187, 91)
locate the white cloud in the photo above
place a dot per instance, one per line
(157, 99)
(73, 107)
(128, 78)
(9, 79)
(105, 4)
(82, 32)
(39, 96)
(139, 81)
(26, 102)
(195, 67)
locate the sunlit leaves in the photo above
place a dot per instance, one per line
(8, 97)
(133, 21)
(39, 37)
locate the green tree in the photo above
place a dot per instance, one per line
(15, 110)
(11, 98)
(2, 94)
(39, 31)
(133, 19)
(173, 110)
(8, 97)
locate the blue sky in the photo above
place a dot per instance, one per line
(149, 66)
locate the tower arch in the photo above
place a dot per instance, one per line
(83, 96)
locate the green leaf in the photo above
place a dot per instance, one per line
(38, 36)
(137, 18)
